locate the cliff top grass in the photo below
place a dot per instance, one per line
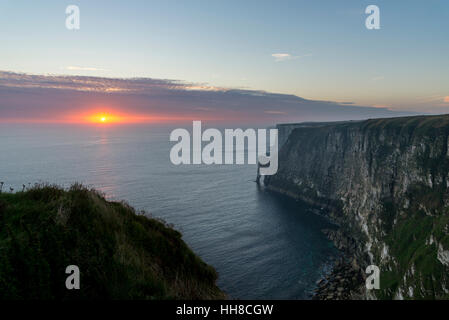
(120, 254)
(416, 124)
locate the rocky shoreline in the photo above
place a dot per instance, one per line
(346, 280)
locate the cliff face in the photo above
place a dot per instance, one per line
(386, 182)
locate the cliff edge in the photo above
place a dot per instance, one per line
(386, 183)
(120, 254)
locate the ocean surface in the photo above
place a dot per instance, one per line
(263, 245)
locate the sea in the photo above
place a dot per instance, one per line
(263, 245)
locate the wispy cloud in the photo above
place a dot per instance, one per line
(275, 112)
(279, 57)
(78, 68)
(98, 84)
(200, 87)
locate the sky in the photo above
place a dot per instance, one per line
(316, 50)
(81, 99)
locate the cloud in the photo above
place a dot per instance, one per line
(76, 68)
(278, 57)
(282, 57)
(98, 84)
(203, 88)
(52, 98)
(446, 99)
(275, 112)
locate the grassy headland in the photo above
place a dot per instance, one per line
(120, 254)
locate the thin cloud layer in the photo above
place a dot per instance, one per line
(52, 98)
(279, 57)
(77, 68)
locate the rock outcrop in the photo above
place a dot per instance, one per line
(386, 183)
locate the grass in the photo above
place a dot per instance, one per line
(121, 254)
(408, 242)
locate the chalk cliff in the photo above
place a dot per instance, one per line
(386, 183)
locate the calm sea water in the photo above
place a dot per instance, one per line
(263, 245)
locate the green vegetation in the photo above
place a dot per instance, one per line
(402, 125)
(120, 254)
(409, 242)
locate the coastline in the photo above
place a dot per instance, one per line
(346, 278)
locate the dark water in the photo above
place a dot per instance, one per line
(264, 246)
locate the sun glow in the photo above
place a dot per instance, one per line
(117, 116)
(103, 117)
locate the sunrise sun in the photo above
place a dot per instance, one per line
(103, 118)
(110, 117)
